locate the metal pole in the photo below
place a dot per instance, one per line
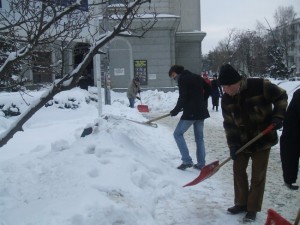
(106, 67)
(97, 70)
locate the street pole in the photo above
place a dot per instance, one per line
(106, 64)
(97, 70)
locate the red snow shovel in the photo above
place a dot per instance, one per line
(210, 169)
(275, 219)
(141, 107)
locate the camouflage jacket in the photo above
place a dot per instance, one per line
(250, 111)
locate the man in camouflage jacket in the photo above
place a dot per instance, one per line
(248, 107)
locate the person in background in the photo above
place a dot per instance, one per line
(132, 91)
(193, 93)
(205, 77)
(290, 142)
(216, 92)
(250, 105)
(83, 82)
(207, 80)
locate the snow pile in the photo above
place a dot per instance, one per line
(124, 172)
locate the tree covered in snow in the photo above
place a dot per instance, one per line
(8, 77)
(36, 25)
(281, 39)
(278, 69)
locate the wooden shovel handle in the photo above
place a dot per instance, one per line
(158, 118)
(264, 132)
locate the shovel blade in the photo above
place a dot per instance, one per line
(143, 108)
(205, 173)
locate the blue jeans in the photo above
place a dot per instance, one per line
(182, 127)
(131, 102)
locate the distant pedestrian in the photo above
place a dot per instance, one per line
(132, 91)
(208, 81)
(83, 82)
(193, 94)
(250, 105)
(290, 142)
(216, 92)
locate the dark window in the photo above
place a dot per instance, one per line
(83, 7)
(41, 68)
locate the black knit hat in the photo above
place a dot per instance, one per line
(228, 75)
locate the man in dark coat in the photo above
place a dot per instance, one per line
(216, 92)
(192, 100)
(248, 107)
(289, 142)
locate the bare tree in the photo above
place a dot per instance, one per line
(250, 52)
(55, 24)
(285, 31)
(284, 15)
(282, 37)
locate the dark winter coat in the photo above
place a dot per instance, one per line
(85, 81)
(193, 95)
(250, 111)
(290, 140)
(216, 92)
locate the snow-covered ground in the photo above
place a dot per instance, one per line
(124, 172)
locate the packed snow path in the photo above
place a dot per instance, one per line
(278, 197)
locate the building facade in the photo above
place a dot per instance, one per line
(289, 38)
(294, 47)
(175, 39)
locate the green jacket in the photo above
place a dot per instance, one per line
(250, 111)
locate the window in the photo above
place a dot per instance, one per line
(41, 67)
(83, 7)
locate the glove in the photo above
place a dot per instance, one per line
(138, 97)
(232, 152)
(173, 112)
(277, 122)
(139, 91)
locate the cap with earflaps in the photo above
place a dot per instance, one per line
(136, 79)
(228, 75)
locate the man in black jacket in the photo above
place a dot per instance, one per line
(289, 142)
(193, 95)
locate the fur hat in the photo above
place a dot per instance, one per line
(228, 75)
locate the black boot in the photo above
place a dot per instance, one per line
(250, 217)
(237, 209)
(292, 187)
(217, 108)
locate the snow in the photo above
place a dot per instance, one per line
(124, 172)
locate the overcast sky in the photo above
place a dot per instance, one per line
(218, 17)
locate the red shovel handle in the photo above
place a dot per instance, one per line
(268, 129)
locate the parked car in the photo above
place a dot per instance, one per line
(294, 79)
